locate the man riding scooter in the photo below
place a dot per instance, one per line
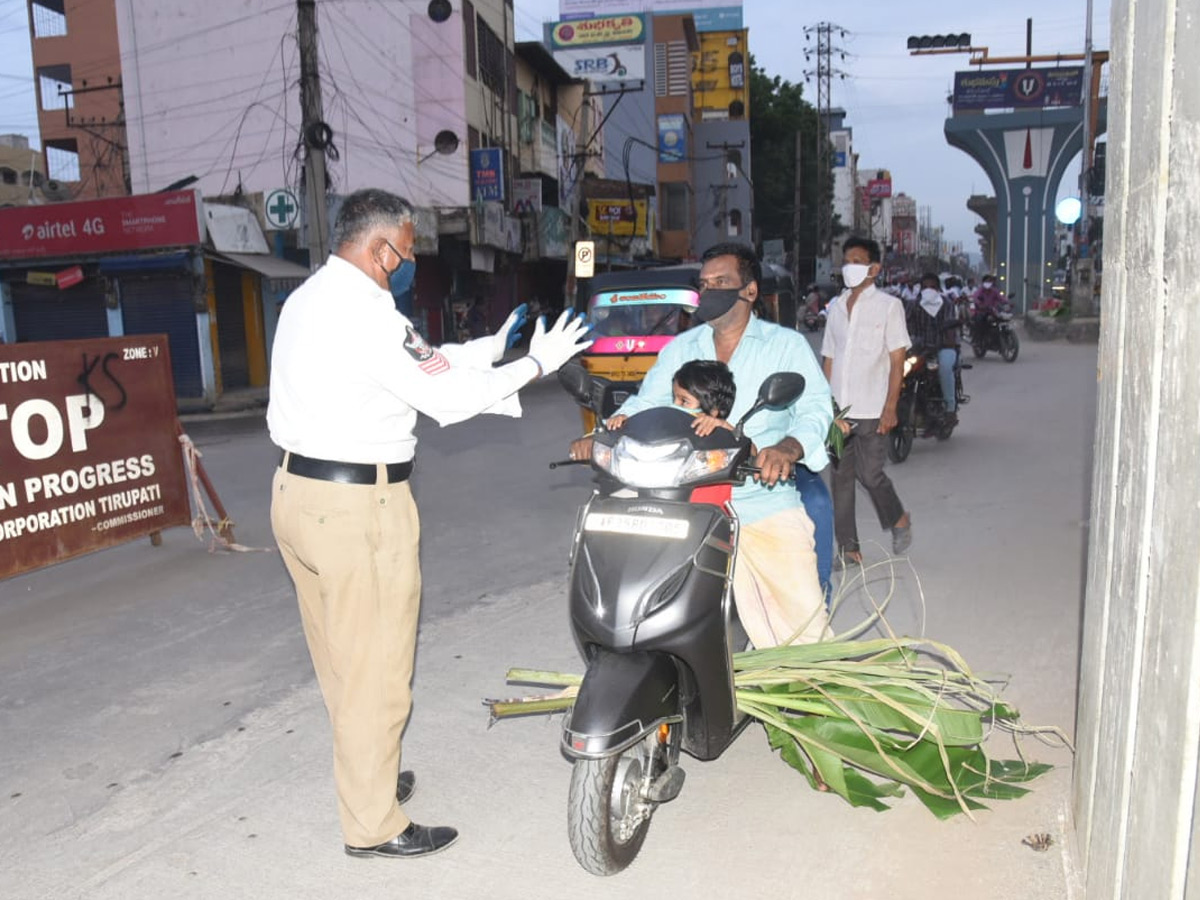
(776, 587)
(987, 301)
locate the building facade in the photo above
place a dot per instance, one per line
(78, 75)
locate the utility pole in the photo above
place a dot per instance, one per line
(575, 210)
(314, 134)
(796, 217)
(823, 73)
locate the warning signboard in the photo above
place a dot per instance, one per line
(89, 456)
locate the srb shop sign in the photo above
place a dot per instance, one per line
(89, 456)
(487, 174)
(141, 222)
(625, 63)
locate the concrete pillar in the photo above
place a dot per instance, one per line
(1135, 791)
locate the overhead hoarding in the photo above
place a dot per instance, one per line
(89, 456)
(710, 15)
(601, 64)
(611, 30)
(1018, 89)
(617, 216)
(140, 222)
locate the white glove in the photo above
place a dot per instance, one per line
(550, 349)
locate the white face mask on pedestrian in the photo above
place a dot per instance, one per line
(854, 274)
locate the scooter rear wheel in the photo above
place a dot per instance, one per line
(607, 816)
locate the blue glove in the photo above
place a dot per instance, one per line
(510, 332)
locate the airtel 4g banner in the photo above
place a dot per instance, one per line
(89, 456)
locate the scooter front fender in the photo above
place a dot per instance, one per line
(623, 697)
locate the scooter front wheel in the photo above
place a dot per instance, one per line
(607, 816)
(1009, 346)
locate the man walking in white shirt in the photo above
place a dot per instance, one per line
(864, 348)
(348, 376)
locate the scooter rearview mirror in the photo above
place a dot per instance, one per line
(781, 389)
(576, 381)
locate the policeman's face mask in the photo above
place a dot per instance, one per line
(400, 278)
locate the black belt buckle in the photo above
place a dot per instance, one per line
(344, 472)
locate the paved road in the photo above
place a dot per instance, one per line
(162, 734)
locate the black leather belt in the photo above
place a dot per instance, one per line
(344, 472)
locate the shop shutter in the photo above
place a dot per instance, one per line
(231, 327)
(162, 303)
(47, 314)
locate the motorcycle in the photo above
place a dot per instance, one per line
(652, 613)
(996, 333)
(922, 408)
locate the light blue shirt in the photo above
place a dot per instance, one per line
(764, 349)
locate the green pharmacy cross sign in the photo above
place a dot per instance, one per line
(281, 209)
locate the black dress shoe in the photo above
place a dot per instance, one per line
(406, 786)
(415, 840)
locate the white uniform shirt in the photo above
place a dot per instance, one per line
(349, 373)
(860, 344)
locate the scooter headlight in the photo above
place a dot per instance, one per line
(648, 465)
(910, 363)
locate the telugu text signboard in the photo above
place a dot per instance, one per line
(1017, 89)
(141, 222)
(585, 32)
(89, 456)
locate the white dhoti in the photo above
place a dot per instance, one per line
(775, 584)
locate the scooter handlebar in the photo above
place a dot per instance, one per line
(570, 462)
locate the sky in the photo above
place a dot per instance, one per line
(895, 103)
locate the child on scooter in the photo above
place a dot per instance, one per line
(705, 385)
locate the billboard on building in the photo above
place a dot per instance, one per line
(487, 174)
(710, 15)
(89, 456)
(904, 206)
(611, 63)
(617, 216)
(1018, 89)
(140, 222)
(672, 138)
(879, 188)
(611, 30)
(527, 195)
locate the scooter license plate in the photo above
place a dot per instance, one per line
(646, 526)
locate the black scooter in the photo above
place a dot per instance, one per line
(652, 612)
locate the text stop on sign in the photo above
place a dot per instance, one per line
(88, 452)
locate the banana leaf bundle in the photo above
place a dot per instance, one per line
(865, 719)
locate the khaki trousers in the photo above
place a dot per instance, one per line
(775, 585)
(352, 552)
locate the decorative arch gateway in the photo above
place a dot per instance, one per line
(1025, 153)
